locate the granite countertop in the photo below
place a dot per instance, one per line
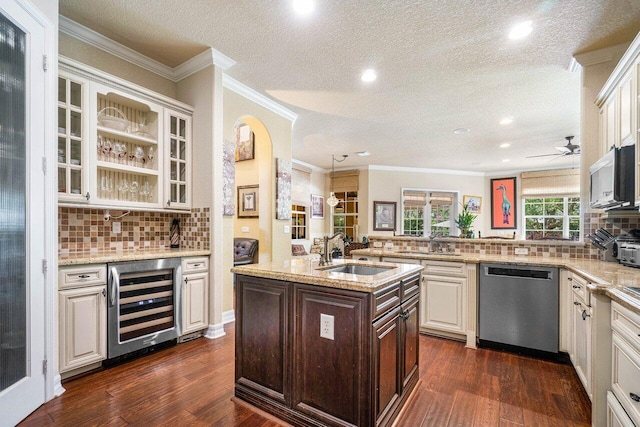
(104, 257)
(607, 278)
(306, 271)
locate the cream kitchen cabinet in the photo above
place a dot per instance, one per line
(82, 309)
(444, 298)
(195, 294)
(136, 144)
(581, 331)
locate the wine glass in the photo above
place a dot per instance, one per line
(106, 184)
(138, 153)
(123, 188)
(133, 189)
(145, 190)
(142, 122)
(151, 153)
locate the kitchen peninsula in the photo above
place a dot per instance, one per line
(332, 345)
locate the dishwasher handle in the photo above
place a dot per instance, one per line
(521, 273)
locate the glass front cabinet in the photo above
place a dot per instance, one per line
(120, 146)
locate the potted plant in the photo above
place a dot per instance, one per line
(464, 221)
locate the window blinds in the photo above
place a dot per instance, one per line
(345, 181)
(414, 198)
(560, 182)
(300, 185)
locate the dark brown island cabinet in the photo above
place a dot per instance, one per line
(361, 377)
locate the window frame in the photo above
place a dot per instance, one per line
(426, 218)
(296, 214)
(565, 217)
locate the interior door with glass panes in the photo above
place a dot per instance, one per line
(22, 212)
(178, 161)
(72, 156)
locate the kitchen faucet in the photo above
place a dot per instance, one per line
(324, 258)
(433, 242)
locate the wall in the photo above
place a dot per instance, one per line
(248, 173)
(387, 185)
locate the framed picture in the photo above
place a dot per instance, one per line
(245, 147)
(503, 204)
(473, 203)
(317, 206)
(248, 201)
(384, 216)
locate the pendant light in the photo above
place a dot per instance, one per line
(332, 200)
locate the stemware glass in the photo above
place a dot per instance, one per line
(145, 191)
(106, 184)
(133, 189)
(123, 188)
(151, 153)
(138, 153)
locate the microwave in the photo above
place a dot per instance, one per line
(613, 179)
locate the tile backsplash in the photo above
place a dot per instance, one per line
(83, 231)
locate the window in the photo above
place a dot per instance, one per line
(298, 222)
(552, 218)
(428, 212)
(345, 214)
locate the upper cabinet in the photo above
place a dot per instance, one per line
(120, 145)
(619, 107)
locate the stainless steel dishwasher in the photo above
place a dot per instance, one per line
(518, 306)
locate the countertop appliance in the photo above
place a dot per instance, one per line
(143, 306)
(519, 307)
(613, 179)
(628, 248)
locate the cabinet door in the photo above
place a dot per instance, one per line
(386, 358)
(610, 132)
(444, 304)
(566, 311)
(410, 340)
(195, 306)
(83, 326)
(72, 138)
(178, 161)
(582, 343)
(628, 105)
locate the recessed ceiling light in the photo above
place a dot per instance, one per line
(521, 30)
(363, 153)
(506, 160)
(505, 145)
(369, 75)
(303, 7)
(460, 131)
(506, 121)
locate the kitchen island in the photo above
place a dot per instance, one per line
(334, 345)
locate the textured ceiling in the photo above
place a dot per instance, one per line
(441, 65)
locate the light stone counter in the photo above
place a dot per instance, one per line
(608, 278)
(306, 271)
(104, 257)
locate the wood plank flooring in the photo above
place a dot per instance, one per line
(192, 384)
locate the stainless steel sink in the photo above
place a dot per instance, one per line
(362, 270)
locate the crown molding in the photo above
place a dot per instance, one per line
(424, 170)
(574, 66)
(625, 64)
(313, 168)
(599, 56)
(255, 96)
(191, 66)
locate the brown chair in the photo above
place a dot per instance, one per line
(245, 251)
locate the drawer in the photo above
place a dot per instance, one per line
(625, 376)
(444, 268)
(400, 260)
(85, 275)
(626, 323)
(385, 299)
(410, 287)
(195, 265)
(579, 287)
(616, 416)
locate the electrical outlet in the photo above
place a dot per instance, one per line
(326, 326)
(116, 228)
(522, 251)
(245, 229)
(377, 244)
(388, 245)
(287, 229)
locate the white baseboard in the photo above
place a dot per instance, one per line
(57, 386)
(228, 317)
(215, 331)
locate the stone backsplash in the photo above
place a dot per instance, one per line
(83, 231)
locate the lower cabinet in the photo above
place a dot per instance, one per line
(195, 294)
(315, 355)
(444, 297)
(83, 326)
(581, 321)
(616, 416)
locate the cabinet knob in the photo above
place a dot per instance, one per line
(570, 279)
(84, 276)
(634, 397)
(186, 280)
(88, 195)
(196, 265)
(576, 287)
(585, 315)
(169, 202)
(576, 303)
(104, 293)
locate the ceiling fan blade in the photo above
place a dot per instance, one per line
(544, 155)
(564, 149)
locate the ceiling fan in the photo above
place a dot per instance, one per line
(566, 150)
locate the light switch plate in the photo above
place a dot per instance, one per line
(245, 229)
(388, 245)
(377, 244)
(116, 227)
(522, 251)
(287, 229)
(326, 326)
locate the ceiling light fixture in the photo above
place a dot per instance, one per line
(460, 131)
(521, 30)
(506, 160)
(506, 121)
(363, 153)
(303, 7)
(505, 145)
(332, 200)
(369, 75)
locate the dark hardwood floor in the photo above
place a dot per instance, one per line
(192, 384)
